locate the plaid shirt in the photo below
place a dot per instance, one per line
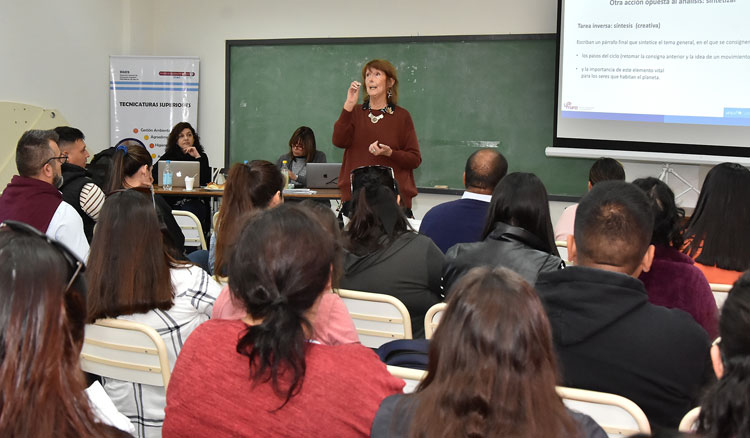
(195, 293)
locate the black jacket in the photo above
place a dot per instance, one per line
(74, 178)
(507, 246)
(610, 338)
(408, 269)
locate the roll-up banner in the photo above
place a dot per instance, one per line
(151, 94)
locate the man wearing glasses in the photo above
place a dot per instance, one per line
(33, 197)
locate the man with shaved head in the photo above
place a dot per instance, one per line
(607, 334)
(462, 220)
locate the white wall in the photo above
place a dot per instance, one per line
(56, 55)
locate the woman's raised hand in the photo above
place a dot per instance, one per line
(352, 95)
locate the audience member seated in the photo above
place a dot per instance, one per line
(184, 144)
(673, 281)
(264, 375)
(608, 336)
(32, 196)
(715, 234)
(302, 150)
(41, 321)
(492, 370)
(725, 410)
(134, 278)
(384, 256)
(517, 233)
(78, 189)
(332, 323)
(603, 169)
(251, 186)
(131, 168)
(462, 220)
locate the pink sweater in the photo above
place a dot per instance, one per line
(333, 325)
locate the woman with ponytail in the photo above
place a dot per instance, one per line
(131, 168)
(385, 256)
(263, 375)
(492, 370)
(725, 411)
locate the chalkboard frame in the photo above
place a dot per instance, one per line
(230, 44)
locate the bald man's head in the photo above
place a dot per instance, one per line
(484, 169)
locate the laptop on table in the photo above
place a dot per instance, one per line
(323, 175)
(180, 169)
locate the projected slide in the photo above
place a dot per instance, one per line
(656, 61)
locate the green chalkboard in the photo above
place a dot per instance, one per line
(463, 93)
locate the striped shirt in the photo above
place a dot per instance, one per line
(91, 199)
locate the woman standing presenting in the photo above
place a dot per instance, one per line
(379, 132)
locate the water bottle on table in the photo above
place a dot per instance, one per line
(166, 180)
(285, 174)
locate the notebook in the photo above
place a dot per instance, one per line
(180, 169)
(323, 175)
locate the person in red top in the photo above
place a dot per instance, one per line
(263, 375)
(379, 132)
(716, 236)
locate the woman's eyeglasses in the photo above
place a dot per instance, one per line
(383, 173)
(75, 264)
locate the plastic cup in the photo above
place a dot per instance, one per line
(189, 182)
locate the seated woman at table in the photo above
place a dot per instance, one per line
(131, 168)
(492, 370)
(184, 144)
(42, 322)
(302, 150)
(256, 185)
(143, 283)
(265, 375)
(384, 255)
